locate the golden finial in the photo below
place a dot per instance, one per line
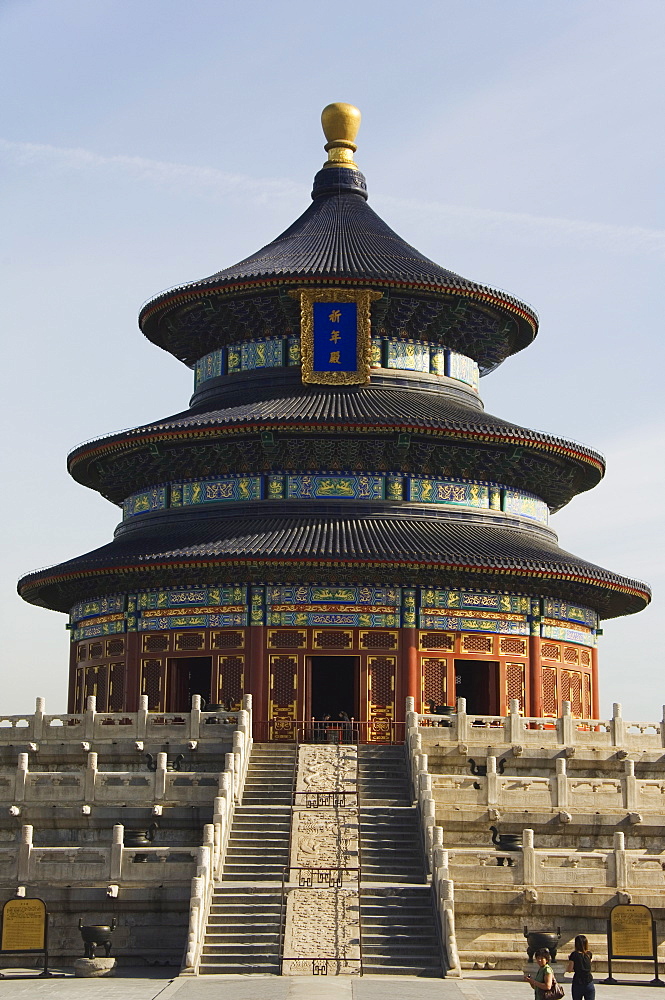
(340, 125)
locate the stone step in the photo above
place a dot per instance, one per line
(226, 966)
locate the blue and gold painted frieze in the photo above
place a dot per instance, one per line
(430, 620)
(516, 502)
(335, 605)
(185, 598)
(337, 486)
(275, 352)
(217, 620)
(334, 487)
(100, 606)
(553, 608)
(469, 601)
(407, 355)
(448, 492)
(334, 595)
(218, 490)
(93, 631)
(350, 618)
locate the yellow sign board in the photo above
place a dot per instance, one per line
(631, 931)
(24, 925)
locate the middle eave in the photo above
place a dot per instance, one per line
(357, 411)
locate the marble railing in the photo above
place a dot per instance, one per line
(96, 727)
(519, 730)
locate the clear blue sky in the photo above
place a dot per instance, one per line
(146, 143)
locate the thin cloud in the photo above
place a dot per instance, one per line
(462, 221)
(459, 221)
(207, 180)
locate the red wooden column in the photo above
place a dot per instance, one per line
(535, 687)
(256, 679)
(595, 693)
(413, 685)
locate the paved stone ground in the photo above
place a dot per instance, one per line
(160, 986)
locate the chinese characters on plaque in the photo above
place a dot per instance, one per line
(335, 329)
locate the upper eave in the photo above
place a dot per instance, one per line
(339, 240)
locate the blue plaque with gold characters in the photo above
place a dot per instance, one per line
(335, 336)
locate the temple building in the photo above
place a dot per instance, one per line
(336, 523)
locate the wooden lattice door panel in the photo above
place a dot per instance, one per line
(515, 683)
(549, 692)
(433, 674)
(79, 690)
(95, 682)
(570, 689)
(153, 683)
(116, 687)
(283, 696)
(231, 672)
(587, 704)
(381, 672)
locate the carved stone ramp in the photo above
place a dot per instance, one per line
(243, 928)
(398, 922)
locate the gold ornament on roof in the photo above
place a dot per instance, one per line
(340, 125)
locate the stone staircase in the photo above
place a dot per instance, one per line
(399, 926)
(243, 928)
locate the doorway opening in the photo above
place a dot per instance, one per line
(478, 682)
(189, 676)
(333, 687)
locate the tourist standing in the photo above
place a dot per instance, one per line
(544, 976)
(579, 963)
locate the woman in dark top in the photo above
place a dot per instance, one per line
(579, 963)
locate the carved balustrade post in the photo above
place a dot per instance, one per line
(462, 721)
(24, 854)
(568, 731)
(618, 726)
(561, 783)
(529, 859)
(492, 786)
(38, 719)
(89, 717)
(90, 778)
(21, 777)
(117, 848)
(195, 718)
(142, 717)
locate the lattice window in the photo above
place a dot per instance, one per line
(564, 686)
(576, 693)
(477, 643)
(90, 681)
(81, 652)
(155, 643)
(570, 655)
(231, 680)
(228, 639)
(95, 650)
(152, 683)
(382, 679)
(283, 680)
(550, 651)
(189, 640)
(287, 638)
(79, 689)
(587, 695)
(333, 639)
(549, 691)
(434, 680)
(116, 687)
(437, 640)
(512, 646)
(515, 682)
(585, 657)
(102, 689)
(114, 647)
(378, 640)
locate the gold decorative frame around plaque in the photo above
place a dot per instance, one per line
(363, 299)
